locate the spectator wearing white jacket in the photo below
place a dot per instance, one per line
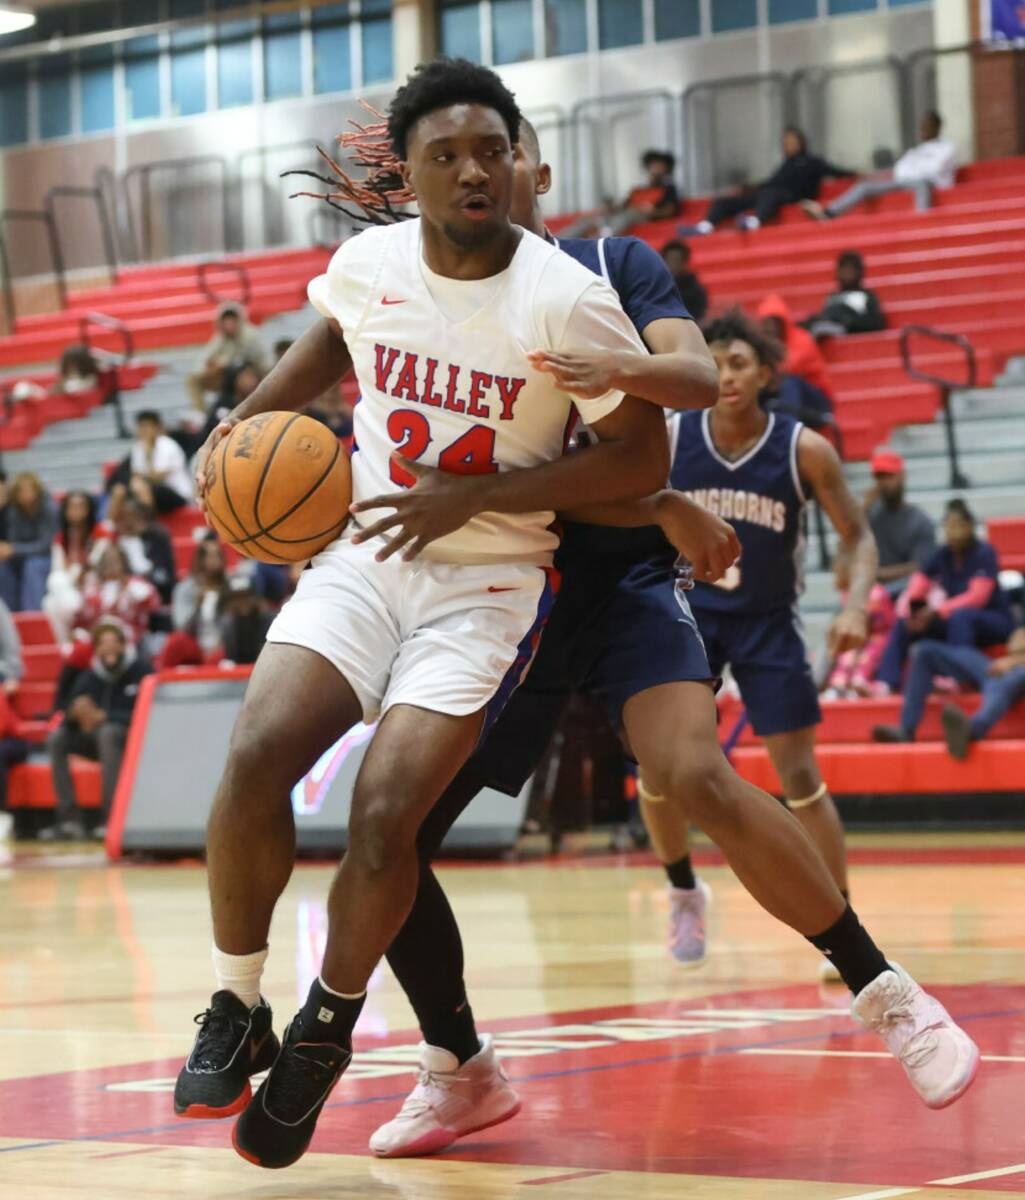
(931, 164)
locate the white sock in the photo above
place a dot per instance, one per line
(341, 995)
(705, 226)
(240, 973)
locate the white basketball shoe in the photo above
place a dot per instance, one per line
(687, 908)
(448, 1102)
(938, 1057)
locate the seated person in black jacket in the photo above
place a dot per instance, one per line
(852, 308)
(245, 622)
(797, 178)
(676, 256)
(148, 545)
(95, 725)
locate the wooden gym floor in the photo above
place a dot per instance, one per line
(745, 1080)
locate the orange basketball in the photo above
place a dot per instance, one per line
(279, 487)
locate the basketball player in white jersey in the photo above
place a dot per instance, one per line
(438, 317)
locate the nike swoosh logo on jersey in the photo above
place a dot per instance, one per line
(385, 300)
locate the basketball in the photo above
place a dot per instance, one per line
(279, 487)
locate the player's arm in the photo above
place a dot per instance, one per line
(705, 540)
(629, 460)
(819, 465)
(314, 362)
(678, 373)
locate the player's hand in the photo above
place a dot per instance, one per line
(848, 632)
(202, 459)
(708, 542)
(438, 503)
(584, 376)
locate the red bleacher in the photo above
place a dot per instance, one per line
(1008, 536)
(958, 268)
(164, 305)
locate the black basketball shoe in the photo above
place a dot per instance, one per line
(233, 1043)
(276, 1128)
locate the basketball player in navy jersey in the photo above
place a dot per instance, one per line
(757, 469)
(621, 631)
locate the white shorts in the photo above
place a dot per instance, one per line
(445, 637)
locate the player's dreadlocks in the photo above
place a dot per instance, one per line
(378, 148)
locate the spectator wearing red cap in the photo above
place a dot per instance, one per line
(904, 533)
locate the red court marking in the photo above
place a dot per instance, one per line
(563, 1178)
(128, 1153)
(686, 1103)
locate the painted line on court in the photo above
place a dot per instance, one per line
(561, 1178)
(953, 1180)
(126, 1153)
(182, 1126)
(1011, 1058)
(885, 1194)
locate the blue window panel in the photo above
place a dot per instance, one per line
(140, 12)
(54, 93)
(235, 64)
(619, 23)
(460, 31)
(733, 14)
(377, 52)
(282, 56)
(14, 105)
(332, 53)
(376, 8)
(196, 36)
(142, 78)
(188, 82)
(565, 27)
(96, 84)
(903, 3)
(837, 8)
(512, 25)
(781, 11)
(678, 19)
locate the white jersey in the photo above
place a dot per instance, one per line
(444, 377)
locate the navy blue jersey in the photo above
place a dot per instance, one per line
(953, 574)
(761, 496)
(647, 292)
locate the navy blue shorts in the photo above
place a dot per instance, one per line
(767, 656)
(617, 628)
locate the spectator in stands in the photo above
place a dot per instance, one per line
(73, 551)
(113, 591)
(1000, 680)
(245, 622)
(235, 344)
(281, 348)
(852, 308)
(96, 724)
(797, 178)
(655, 200)
(904, 533)
(12, 667)
(25, 553)
(4, 505)
(930, 164)
(275, 582)
(14, 749)
(955, 598)
(676, 256)
(333, 410)
(148, 546)
(158, 464)
(804, 358)
(855, 670)
(78, 371)
(196, 609)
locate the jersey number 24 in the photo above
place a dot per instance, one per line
(472, 453)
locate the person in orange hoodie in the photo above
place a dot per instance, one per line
(804, 357)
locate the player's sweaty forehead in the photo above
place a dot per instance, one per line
(457, 126)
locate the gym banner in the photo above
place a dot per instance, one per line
(1003, 20)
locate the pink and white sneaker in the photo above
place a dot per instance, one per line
(687, 908)
(938, 1057)
(448, 1102)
